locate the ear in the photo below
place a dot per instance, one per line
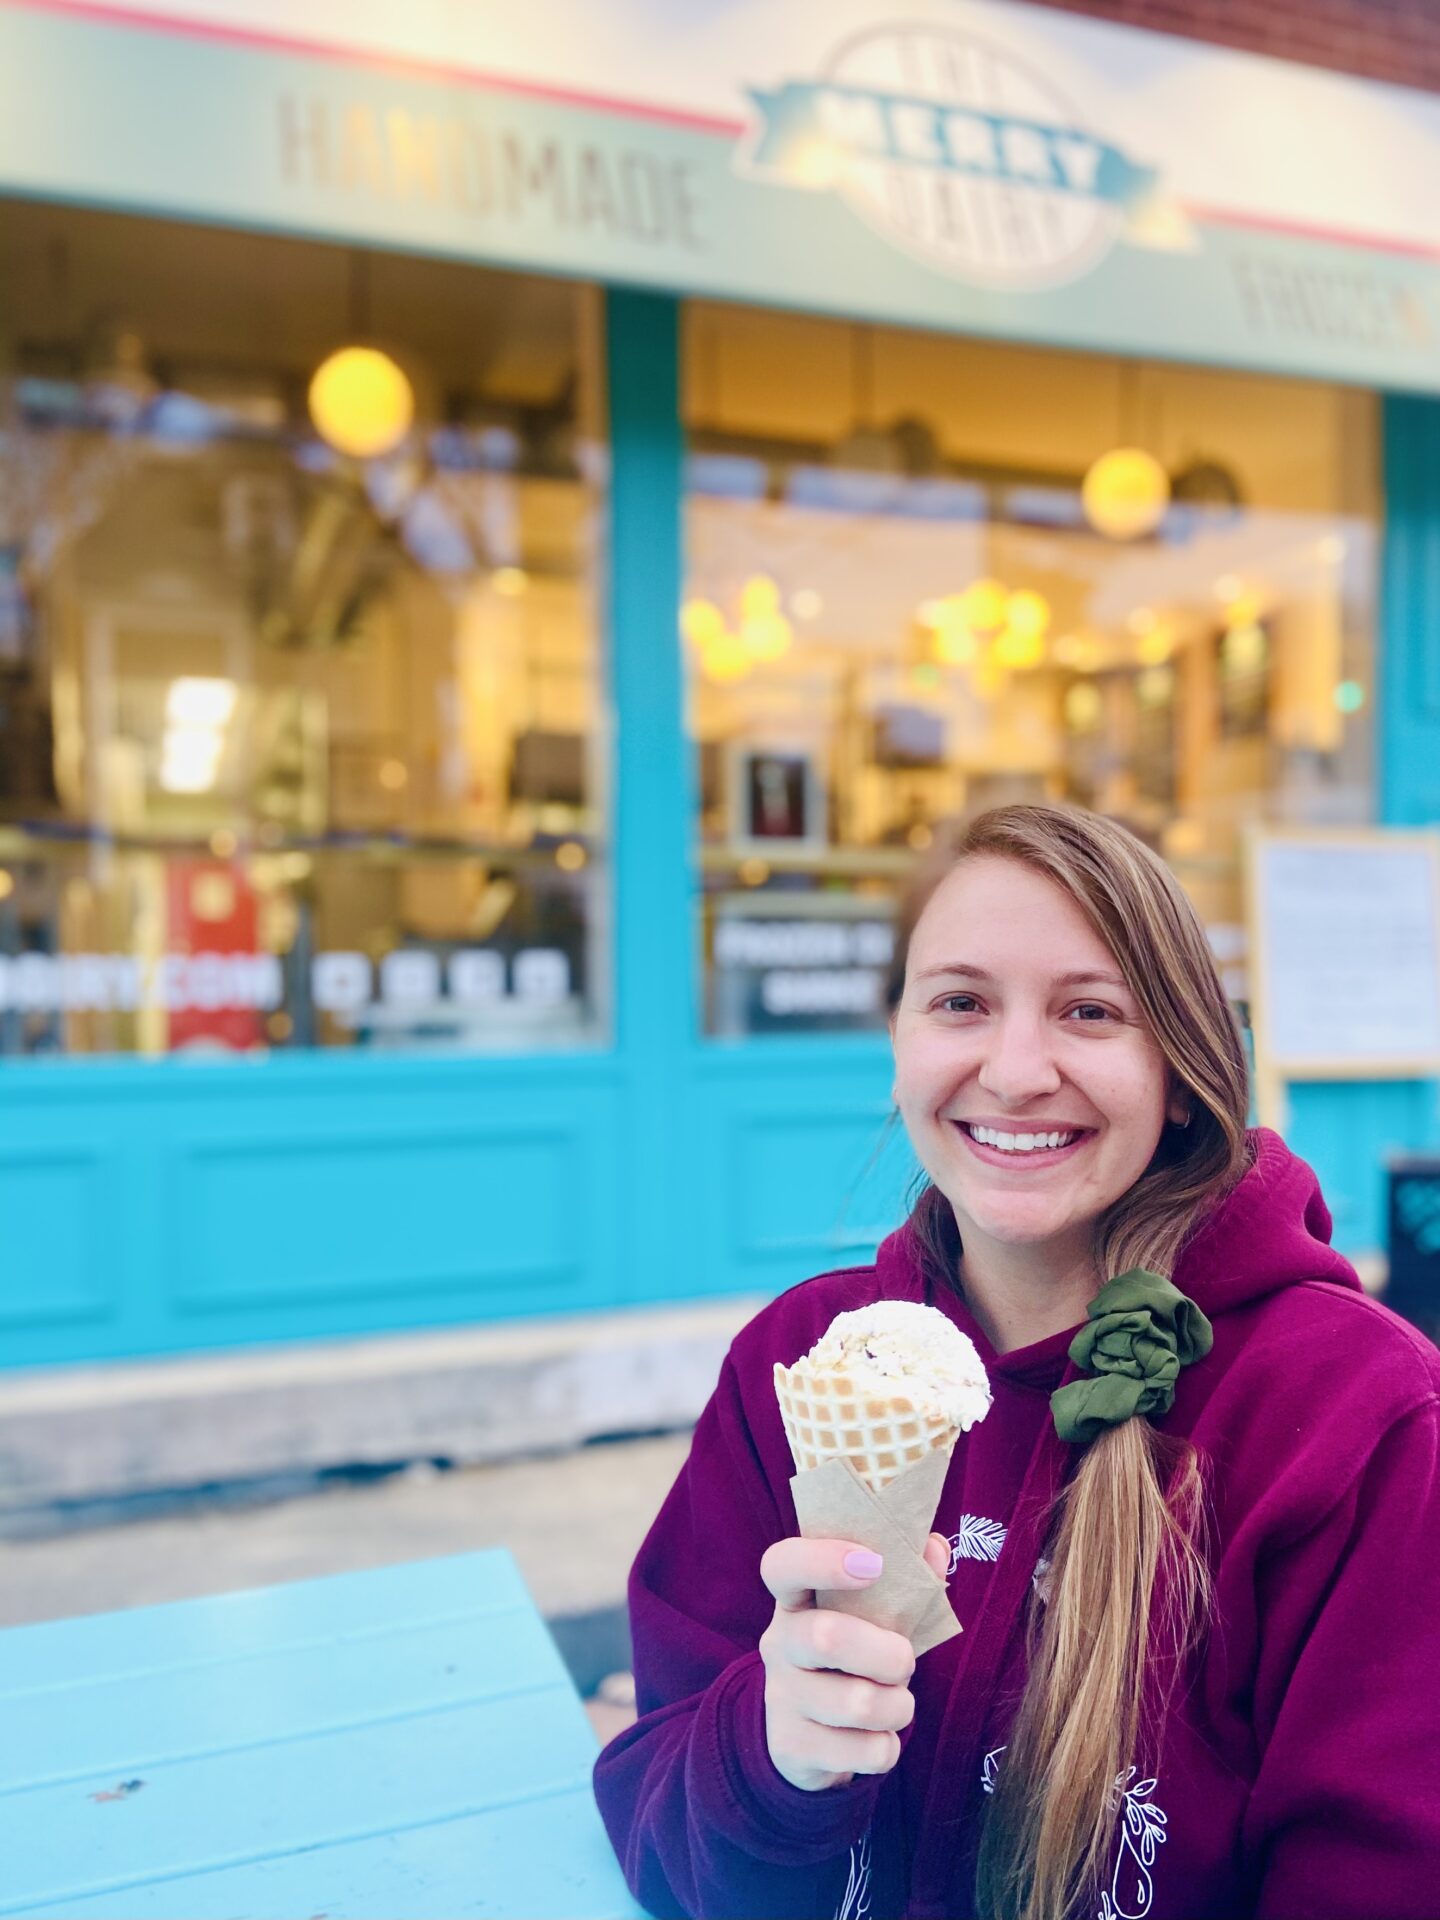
(1180, 1110)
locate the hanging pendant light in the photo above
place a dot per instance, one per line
(1127, 490)
(361, 400)
(1125, 493)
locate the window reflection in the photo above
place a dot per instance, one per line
(901, 608)
(298, 748)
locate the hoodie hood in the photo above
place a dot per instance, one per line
(1272, 1230)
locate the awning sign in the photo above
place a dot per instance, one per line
(1005, 171)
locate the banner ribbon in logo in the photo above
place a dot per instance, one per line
(810, 132)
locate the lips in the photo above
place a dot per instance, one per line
(1036, 1157)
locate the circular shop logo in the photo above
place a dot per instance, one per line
(985, 172)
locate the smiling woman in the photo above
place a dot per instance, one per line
(1031, 1107)
(1151, 1289)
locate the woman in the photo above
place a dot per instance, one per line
(1195, 1546)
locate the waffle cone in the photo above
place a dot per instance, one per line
(826, 1417)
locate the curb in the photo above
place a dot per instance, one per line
(463, 1395)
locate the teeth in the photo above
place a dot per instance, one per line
(1019, 1142)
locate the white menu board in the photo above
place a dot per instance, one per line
(1345, 954)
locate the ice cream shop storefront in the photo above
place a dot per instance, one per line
(513, 540)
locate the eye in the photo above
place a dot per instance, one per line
(1092, 1013)
(948, 1004)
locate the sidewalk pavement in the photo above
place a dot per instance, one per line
(573, 1522)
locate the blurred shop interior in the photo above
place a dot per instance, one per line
(928, 575)
(301, 737)
(304, 732)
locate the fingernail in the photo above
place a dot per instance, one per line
(863, 1564)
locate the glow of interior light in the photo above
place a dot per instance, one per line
(200, 703)
(1083, 707)
(1027, 613)
(570, 856)
(982, 606)
(954, 645)
(361, 402)
(806, 604)
(190, 759)
(1017, 649)
(1155, 648)
(7, 884)
(701, 622)
(1125, 493)
(766, 636)
(1349, 696)
(759, 598)
(510, 582)
(725, 658)
(1243, 648)
(1245, 610)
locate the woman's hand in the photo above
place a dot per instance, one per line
(836, 1692)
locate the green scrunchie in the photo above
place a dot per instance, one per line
(1141, 1331)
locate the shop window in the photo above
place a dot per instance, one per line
(302, 738)
(916, 587)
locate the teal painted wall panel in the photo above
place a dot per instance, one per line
(1346, 1130)
(367, 1211)
(224, 1205)
(1408, 750)
(54, 1201)
(799, 1166)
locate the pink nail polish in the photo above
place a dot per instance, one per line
(864, 1564)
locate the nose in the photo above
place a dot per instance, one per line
(1019, 1065)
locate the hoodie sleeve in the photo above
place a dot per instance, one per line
(1344, 1817)
(703, 1825)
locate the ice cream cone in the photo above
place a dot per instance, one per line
(872, 1413)
(828, 1415)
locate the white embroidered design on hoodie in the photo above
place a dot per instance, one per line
(855, 1904)
(1142, 1830)
(976, 1539)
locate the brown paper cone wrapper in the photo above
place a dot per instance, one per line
(833, 1502)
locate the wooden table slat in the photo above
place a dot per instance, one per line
(456, 1870)
(138, 1721)
(66, 1653)
(402, 1742)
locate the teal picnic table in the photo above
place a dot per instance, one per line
(398, 1744)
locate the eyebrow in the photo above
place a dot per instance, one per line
(1083, 978)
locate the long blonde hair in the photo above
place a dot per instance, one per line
(1127, 1589)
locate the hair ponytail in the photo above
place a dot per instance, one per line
(1128, 1532)
(1127, 1592)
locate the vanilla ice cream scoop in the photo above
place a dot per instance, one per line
(901, 1346)
(882, 1387)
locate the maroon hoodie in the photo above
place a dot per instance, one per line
(1299, 1777)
